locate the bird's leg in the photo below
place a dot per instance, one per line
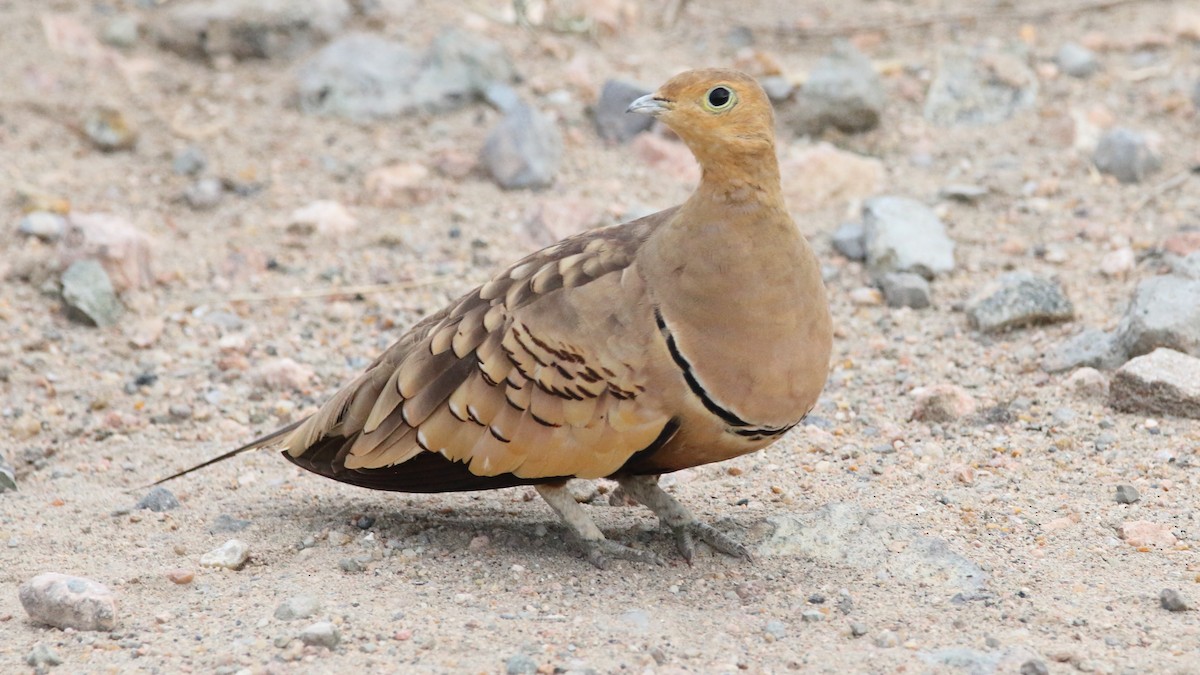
(596, 547)
(670, 512)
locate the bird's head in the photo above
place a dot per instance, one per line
(720, 114)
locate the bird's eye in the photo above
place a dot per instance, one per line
(719, 99)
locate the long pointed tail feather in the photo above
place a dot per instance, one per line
(252, 445)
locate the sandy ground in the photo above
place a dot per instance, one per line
(467, 582)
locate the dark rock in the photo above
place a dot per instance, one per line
(1163, 382)
(1092, 348)
(1127, 155)
(905, 289)
(1173, 601)
(1127, 494)
(976, 87)
(1034, 667)
(848, 240)
(843, 91)
(1019, 299)
(612, 122)
(523, 150)
(158, 499)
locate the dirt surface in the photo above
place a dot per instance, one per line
(1021, 492)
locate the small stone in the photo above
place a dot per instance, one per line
(121, 31)
(905, 289)
(776, 629)
(978, 86)
(812, 615)
(1173, 601)
(297, 607)
(1127, 155)
(180, 411)
(866, 296)
(43, 655)
(399, 185)
(324, 216)
(204, 194)
(1076, 60)
(108, 130)
(65, 601)
(88, 294)
(227, 523)
(1091, 349)
(44, 225)
(350, 565)
(1118, 264)
(1034, 667)
(124, 250)
(887, 639)
(523, 150)
(321, 634)
(189, 162)
(1164, 382)
(904, 235)
(8, 477)
(1088, 383)
(842, 91)
(281, 374)
(858, 629)
(960, 192)
(158, 499)
(1019, 299)
(612, 122)
(181, 577)
(942, 403)
(848, 240)
(230, 555)
(1127, 494)
(520, 664)
(1145, 533)
(1164, 312)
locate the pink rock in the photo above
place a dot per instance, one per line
(282, 373)
(65, 601)
(121, 248)
(1061, 523)
(1182, 244)
(942, 403)
(823, 176)
(1146, 533)
(670, 157)
(558, 218)
(402, 184)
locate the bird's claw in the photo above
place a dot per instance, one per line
(687, 533)
(600, 551)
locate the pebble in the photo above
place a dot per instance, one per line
(904, 235)
(1127, 155)
(941, 403)
(181, 577)
(297, 607)
(905, 289)
(8, 476)
(887, 639)
(324, 216)
(812, 615)
(612, 122)
(520, 664)
(1173, 601)
(1185, 266)
(158, 499)
(43, 655)
(524, 150)
(321, 634)
(350, 565)
(1164, 312)
(121, 31)
(776, 629)
(1119, 263)
(1034, 667)
(1127, 494)
(961, 192)
(858, 629)
(282, 374)
(180, 411)
(204, 194)
(88, 294)
(66, 601)
(1018, 299)
(230, 555)
(246, 29)
(1146, 533)
(227, 523)
(1163, 382)
(1088, 383)
(397, 185)
(866, 296)
(1091, 348)
(124, 250)
(979, 86)
(848, 240)
(777, 87)
(842, 91)
(109, 130)
(189, 162)
(44, 225)
(1076, 60)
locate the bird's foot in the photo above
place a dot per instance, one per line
(600, 551)
(686, 527)
(687, 533)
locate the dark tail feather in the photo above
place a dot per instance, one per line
(252, 445)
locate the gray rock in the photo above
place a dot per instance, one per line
(612, 122)
(246, 29)
(88, 294)
(842, 91)
(848, 240)
(905, 289)
(1092, 348)
(1127, 155)
(812, 616)
(520, 664)
(230, 555)
(636, 619)
(1076, 60)
(8, 477)
(321, 634)
(904, 235)
(962, 192)
(459, 67)
(121, 31)
(65, 601)
(43, 655)
(1196, 94)
(204, 194)
(971, 661)
(1034, 667)
(523, 150)
(1164, 312)
(858, 629)
(1163, 382)
(44, 225)
(847, 535)
(776, 629)
(297, 607)
(158, 499)
(977, 86)
(109, 130)
(1019, 299)
(887, 639)
(778, 88)
(189, 161)
(1127, 494)
(1173, 601)
(227, 523)
(1184, 266)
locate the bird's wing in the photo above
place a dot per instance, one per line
(538, 373)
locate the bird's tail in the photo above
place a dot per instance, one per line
(252, 445)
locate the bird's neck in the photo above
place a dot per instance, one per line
(738, 181)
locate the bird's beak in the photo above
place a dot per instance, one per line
(649, 105)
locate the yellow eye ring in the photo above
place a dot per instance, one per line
(719, 99)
